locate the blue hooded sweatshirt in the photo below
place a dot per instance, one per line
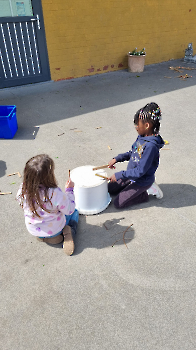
(143, 160)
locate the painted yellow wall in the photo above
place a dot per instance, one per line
(86, 37)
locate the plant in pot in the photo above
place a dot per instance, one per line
(136, 60)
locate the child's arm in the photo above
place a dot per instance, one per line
(142, 166)
(69, 184)
(18, 195)
(111, 163)
(123, 156)
(120, 158)
(64, 201)
(112, 178)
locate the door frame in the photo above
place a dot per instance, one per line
(41, 39)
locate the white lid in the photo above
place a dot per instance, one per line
(84, 176)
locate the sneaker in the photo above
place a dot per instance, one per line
(68, 244)
(155, 191)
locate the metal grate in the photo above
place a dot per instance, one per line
(19, 52)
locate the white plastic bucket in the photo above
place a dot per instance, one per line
(91, 191)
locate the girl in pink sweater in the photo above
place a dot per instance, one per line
(50, 214)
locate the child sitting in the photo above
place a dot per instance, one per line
(47, 210)
(133, 185)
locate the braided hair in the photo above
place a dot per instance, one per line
(149, 113)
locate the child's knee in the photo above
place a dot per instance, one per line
(75, 216)
(117, 205)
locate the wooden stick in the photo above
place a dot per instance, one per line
(124, 234)
(187, 68)
(101, 167)
(69, 172)
(12, 174)
(105, 226)
(17, 173)
(166, 149)
(103, 177)
(118, 240)
(5, 193)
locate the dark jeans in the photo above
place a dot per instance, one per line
(128, 193)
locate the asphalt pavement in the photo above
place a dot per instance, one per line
(137, 293)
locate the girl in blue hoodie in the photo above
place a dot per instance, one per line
(133, 185)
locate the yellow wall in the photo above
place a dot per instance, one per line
(86, 37)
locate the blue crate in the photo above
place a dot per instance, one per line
(8, 122)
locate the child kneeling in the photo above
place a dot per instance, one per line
(132, 186)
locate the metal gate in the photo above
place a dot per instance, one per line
(23, 51)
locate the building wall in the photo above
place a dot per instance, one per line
(86, 37)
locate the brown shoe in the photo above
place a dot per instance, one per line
(68, 244)
(53, 240)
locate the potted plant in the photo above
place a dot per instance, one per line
(136, 60)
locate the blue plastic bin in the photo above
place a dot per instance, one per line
(8, 122)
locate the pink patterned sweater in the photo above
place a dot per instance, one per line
(49, 224)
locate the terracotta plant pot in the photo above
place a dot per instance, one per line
(136, 63)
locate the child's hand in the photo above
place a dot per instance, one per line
(111, 163)
(112, 178)
(69, 184)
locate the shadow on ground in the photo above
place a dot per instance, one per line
(174, 196)
(55, 101)
(111, 232)
(3, 168)
(108, 234)
(27, 133)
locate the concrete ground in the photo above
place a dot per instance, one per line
(105, 296)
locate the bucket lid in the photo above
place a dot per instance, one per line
(84, 176)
